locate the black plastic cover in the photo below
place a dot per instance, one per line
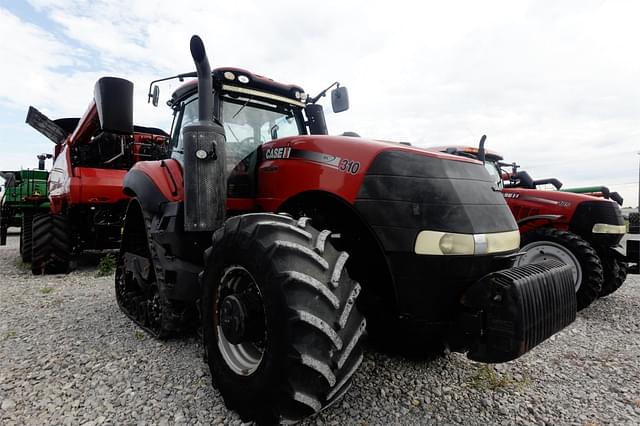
(114, 102)
(404, 193)
(589, 213)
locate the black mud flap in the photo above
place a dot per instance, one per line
(516, 309)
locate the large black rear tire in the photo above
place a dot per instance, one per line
(614, 271)
(52, 245)
(26, 235)
(4, 229)
(550, 243)
(304, 346)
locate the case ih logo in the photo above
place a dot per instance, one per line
(511, 195)
(277, 153)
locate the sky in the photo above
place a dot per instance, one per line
(554, 85)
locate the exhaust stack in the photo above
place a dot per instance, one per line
(205, 180)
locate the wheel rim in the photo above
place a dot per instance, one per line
(245, 357)
(540, 251)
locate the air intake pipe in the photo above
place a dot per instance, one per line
(205, 180)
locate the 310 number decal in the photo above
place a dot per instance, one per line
(349, 166)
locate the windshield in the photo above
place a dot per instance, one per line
(249, 123)
(494, 172)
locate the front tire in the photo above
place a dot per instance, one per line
(281, 329)
(26, 236)
(550, 243)
(614, 272)
(52, 246)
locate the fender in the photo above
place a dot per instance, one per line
(155, 183)
(549, 217)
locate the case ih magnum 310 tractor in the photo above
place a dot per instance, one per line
(582, 230)
(282, 240)
(91, 158)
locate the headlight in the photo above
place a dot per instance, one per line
(605, 228)
(448, 243)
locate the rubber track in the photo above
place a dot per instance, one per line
(171, 321)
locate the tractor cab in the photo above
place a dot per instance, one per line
(252, 113)
(253, 110)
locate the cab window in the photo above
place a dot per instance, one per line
(494, 172)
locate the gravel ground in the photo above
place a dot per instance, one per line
(69, 356)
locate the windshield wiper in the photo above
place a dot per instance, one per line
(241, 108)
(232, 132)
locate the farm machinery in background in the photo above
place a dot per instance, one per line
(279, 240)
(25, 194)
(91, 157)
(582, 227)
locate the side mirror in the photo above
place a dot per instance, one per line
(114, 102)
(155, 95)
(315, 119)
(339, 99)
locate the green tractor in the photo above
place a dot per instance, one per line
(25, 194)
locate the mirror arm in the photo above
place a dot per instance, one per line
(323, 93)
(180, 77)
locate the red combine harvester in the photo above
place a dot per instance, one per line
(92, 155)
(581, 227)
(260, 224)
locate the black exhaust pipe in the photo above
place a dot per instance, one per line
(205, 98)
(205, 180)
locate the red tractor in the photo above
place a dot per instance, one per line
(91, 157)
(280, 240)
(581, 227)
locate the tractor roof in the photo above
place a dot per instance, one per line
(237, 79)
(471, 150)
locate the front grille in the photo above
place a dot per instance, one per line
(590, 212)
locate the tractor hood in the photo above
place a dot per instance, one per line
(399, 190)
(594, 219)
